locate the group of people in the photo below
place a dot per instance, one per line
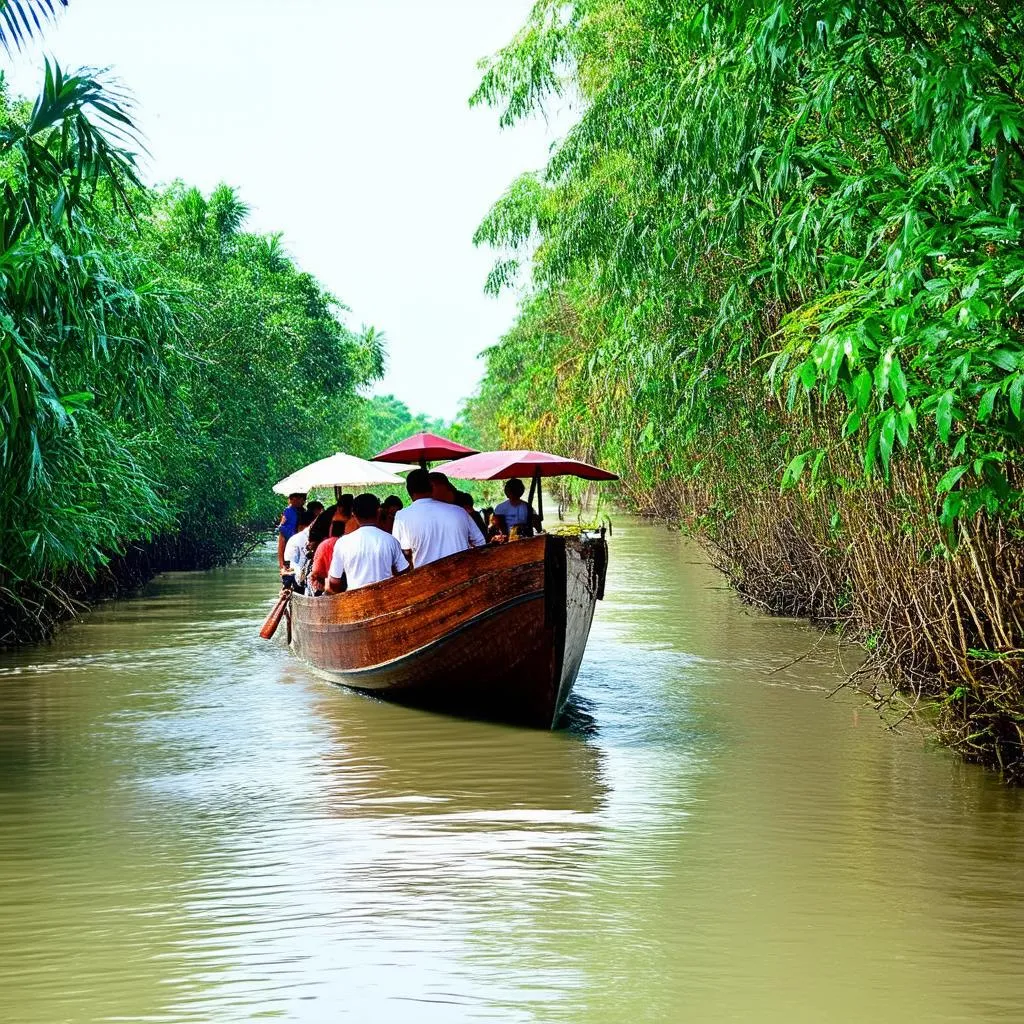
(361, 540)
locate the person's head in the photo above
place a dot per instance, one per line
(297, 499)
(315, 508)
(493, 520)
(305, 518)
(365, 507)
(441, 488)
(417, 483)
(514, 489)
(464, 499)
(345, 506)
(389, 507)
(338, 527)
(321, 527)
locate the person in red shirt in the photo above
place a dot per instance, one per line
(324, 552)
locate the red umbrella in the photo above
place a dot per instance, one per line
(423, 448)
(505, 465)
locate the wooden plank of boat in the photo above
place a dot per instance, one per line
(497, 631)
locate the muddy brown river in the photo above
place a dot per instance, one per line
(193, 828)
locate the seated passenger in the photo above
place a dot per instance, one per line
(293, 574)
(391, 505)
(368, 555)
(465, 500)
(496, 530)
(430, 529)
(322, 557)
(441, 488)
(289, 524)
(515, 512)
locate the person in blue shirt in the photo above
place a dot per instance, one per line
(516, 512)
(289, 525)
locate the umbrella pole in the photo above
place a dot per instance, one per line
(536, 486)
(423, 463)
(337, 495)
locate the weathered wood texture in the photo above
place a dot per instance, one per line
(498, 631)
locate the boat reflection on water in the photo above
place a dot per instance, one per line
(391, 759)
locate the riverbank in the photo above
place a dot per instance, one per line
(32, 612)
(940, 627)
(787, 310)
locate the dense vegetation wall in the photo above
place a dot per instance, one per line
(160, 367)
(775, 281)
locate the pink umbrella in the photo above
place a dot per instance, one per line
(505, 465)
(423, 448)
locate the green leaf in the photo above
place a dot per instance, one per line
(862, 390)
(897, 383)
(77, 400)
(794, 471)
(905, 419)
(1015, 394)
(882, 371)
(944, 416)
(886, 436)
(987, 403)
(950, 479)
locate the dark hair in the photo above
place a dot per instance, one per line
(316, 507)
(464, 499)
(345, 505)
(417, 483)
(338, 527)
(365, 507)
(515, 485)
(321, 527)
(297, 494)
(305, 517)
(439, 478)
(393, 501)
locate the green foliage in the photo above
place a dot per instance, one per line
(160, 368)
(386, 421)
(776, 282)
(827, 192)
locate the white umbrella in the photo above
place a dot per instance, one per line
(338, 470)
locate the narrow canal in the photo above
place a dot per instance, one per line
(192, 828)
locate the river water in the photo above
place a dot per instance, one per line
(192, 828)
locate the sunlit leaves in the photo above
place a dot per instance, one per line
(829, 193)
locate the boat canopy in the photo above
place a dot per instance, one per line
(423, 448)
(504, 465)
(339, 470)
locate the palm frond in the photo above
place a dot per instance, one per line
(22, 20)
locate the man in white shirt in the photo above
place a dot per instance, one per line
(428, 530)
(368, 554)
(294, 555)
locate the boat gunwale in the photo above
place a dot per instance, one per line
(495, 552)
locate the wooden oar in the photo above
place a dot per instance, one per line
(273, 620)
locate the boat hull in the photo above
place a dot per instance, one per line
(496, 632)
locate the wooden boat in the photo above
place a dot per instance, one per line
(495, 632)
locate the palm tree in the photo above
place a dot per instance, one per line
(68, 298)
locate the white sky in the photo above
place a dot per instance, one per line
(345, 124)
